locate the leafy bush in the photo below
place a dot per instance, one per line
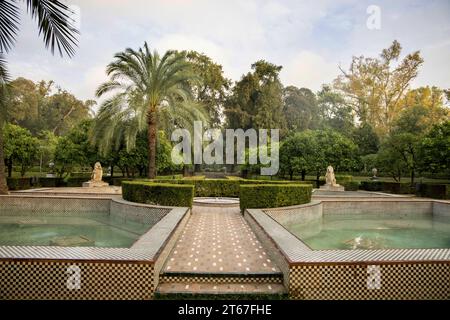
(19, 183)
(371, 185)
(164, 194)
(341, 179)
(384, 186)
(273, 195)
(221, 187)
(430, 190)
(350, 185)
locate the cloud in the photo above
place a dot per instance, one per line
(308, 69)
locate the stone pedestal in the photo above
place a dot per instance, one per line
(93, 184)
(329, 187)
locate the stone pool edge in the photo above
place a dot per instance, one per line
(343, 274)
(39, 272)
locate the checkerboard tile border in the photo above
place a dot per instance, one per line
(99, 280)
(408, 281)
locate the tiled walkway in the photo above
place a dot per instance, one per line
(218, 241)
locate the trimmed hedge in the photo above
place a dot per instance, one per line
(221, 187)
(273, 195)
(350, 185)
(430, 190)
(19, 183)
(390, 187)
(164, 194)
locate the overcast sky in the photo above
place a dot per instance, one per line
(310, 39)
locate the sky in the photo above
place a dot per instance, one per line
(310, 39)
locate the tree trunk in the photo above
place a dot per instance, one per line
(151, 144)
(413, 174)
(3, 184)
(9, 165)
(303, 175)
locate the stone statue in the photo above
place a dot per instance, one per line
(374, 174)
(96, 177)
(330, 181)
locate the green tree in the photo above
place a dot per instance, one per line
(314, 150)
(403, 144)
(54, 22)
(37, 107)
(334, 112)
(366, 139)
(300, 109)
(256, 100)
(434, 149)
(20, 147)
(375, 86)
(212, 88)
(144, 85)
(75, 150)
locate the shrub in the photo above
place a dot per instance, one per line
(273, 195)
(371, 185)
(430, 190)
(398, 187)
(170, 177)
(384, 186)
(164, 194)
(351, 185)
(19, 183)
(341, 179)
(221, 187)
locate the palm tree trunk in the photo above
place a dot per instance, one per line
(151, 144)
(3, 184)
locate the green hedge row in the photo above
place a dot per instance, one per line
(45, 182)
(390, 187)
(430, 190)
(273, 195)
(221, 187)
(164, 194)
(350, 185)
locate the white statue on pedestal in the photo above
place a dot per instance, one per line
(330, 181)
(96, 177)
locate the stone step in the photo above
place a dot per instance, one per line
(221, 278)
(210, 290)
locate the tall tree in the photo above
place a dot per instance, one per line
(375, 86)
(144, 85)
(256, 100)
(211, 88)
(334, 112)
(38, 106)
(57, 31)
(300, 108)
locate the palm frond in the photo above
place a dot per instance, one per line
(55, 25)
(9, 24)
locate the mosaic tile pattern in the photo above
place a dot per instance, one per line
(397, 281)
(218, 242)
(53, 280)
(139, 213)
(52, 206)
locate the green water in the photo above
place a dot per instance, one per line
(99, 231)
(374, 232)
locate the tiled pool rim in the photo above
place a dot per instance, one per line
(342, 274)
(39, 272)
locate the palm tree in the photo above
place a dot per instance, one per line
(146, 87)
(57, 31)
